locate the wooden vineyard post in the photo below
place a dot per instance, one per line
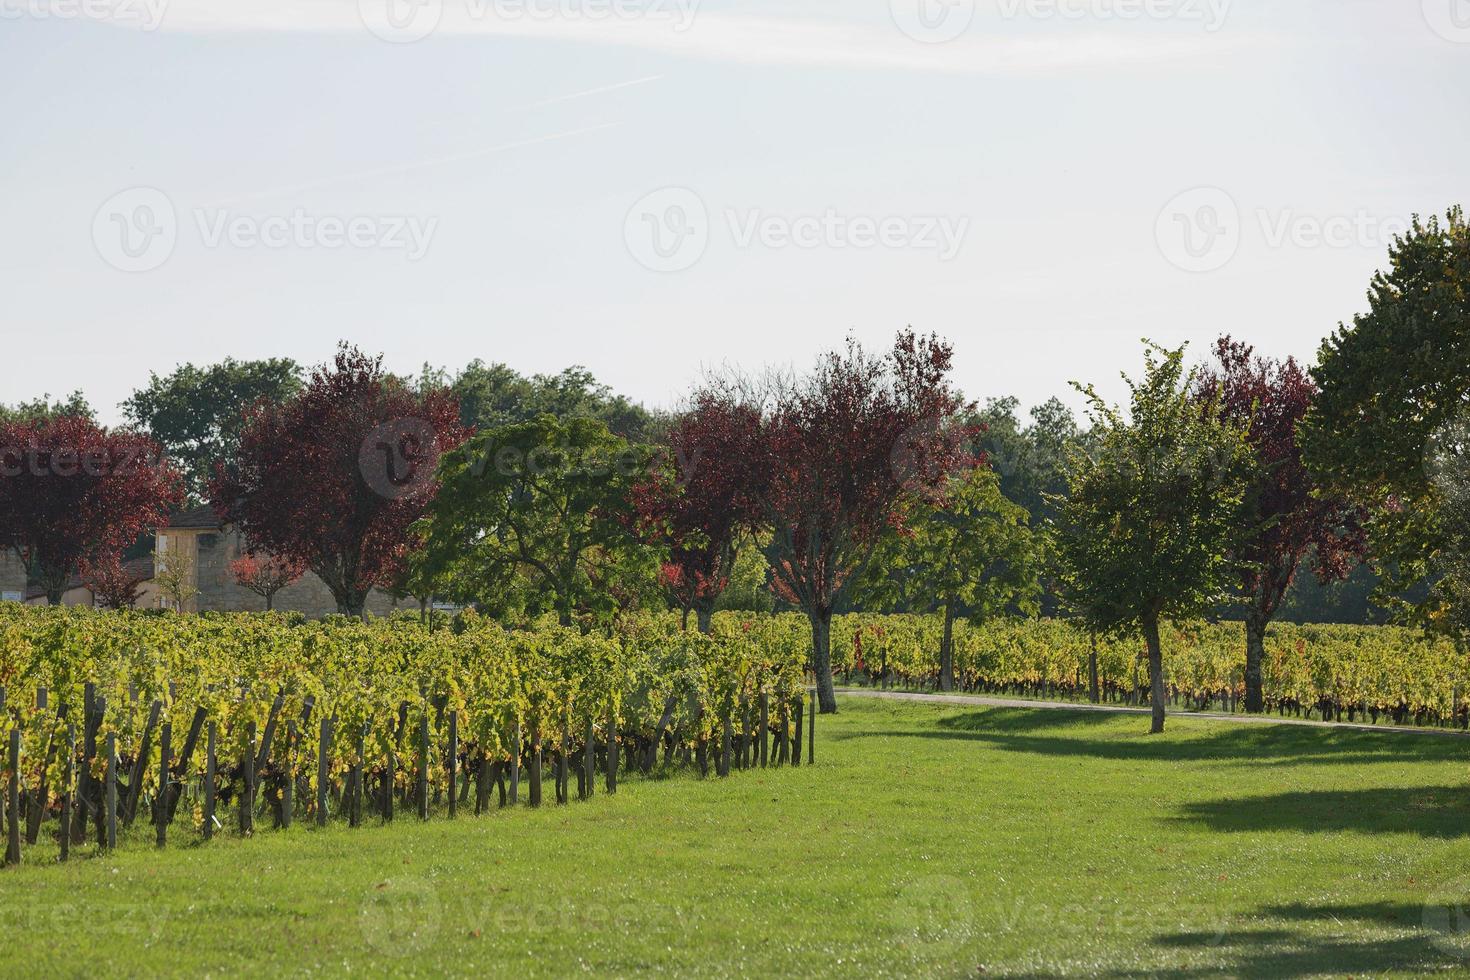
(723, 769)
(612, 749)
(160, 806)
(589, 758)
(12, 799)
(763, 731)
(323, 746)
(354, 808)
(37, 808)
(453, 763)
(110, 793)
(536, 766)
(811, 732)
(209, 774)
(796, 743)
(91, 717)
(288, 783)
(421, 790)
(562, 769)
(247, 798)
(140, 764)
(68, 782)
(390, 780)
(515, 765)
(185, 758)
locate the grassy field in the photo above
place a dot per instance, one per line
(930, 840)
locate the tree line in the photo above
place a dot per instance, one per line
(868, 481)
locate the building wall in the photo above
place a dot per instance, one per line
(12, 576)
(218, 592)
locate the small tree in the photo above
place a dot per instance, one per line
(973, 549)
(1154, 512)
(333, 478)
(702, 501)
(844, 447)
(265, 575)
(113, 585)
(72, 491)
(538, 517)
(173, 572)
(1289, 514)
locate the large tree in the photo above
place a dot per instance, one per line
(971, 551)
(72, 492)
(701, 503)
(196, 414)
(1288, 516)
(334, 477)
(845, 446)
(1389, 382)
(493, 395)
(1154, 510)
(538, 517)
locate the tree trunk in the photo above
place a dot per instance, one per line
(1255, 653)
(1155, 670)
(270, 601)
(946, 649)
(821, 621)
(704, 614)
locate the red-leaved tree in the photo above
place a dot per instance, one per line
(844, 446)
(114, 585)
(72, 491)
(1290, 517)
(705, 498)
(265, 575)
(333, 478)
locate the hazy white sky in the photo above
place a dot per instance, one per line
(649, 186)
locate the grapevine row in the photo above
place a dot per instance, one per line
(231, 723)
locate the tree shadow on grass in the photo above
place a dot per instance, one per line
(1367, 938)
(1050, 732)
(1441, 812)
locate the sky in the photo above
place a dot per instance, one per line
(653, 188)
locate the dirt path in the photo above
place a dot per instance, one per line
(989, 702)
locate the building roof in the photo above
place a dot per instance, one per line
(195, 518)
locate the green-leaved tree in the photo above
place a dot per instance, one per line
(1153, 510)
(972, 551)
(535, 517)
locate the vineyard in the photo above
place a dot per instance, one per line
(229, 722)
(1341, 673)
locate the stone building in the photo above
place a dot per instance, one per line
(209, 546)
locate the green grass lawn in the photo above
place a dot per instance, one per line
(930, 840)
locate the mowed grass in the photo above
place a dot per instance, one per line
(928, 840)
